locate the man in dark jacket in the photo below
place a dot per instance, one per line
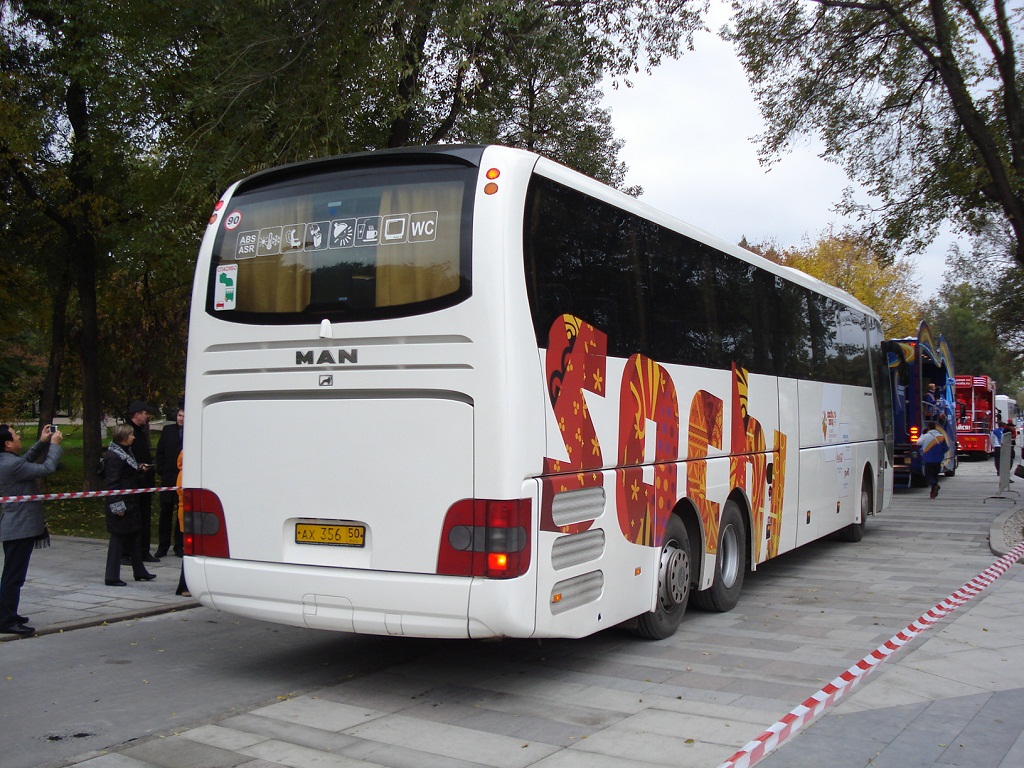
(933, 448)
(138, 417)
(22, 525)
(167, 449)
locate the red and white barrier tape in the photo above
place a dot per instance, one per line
(804, 714)
(84, 494)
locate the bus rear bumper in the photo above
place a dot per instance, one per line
(338, 599)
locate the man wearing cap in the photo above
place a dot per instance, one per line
(138, 417)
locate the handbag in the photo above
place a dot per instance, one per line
(1019, 470)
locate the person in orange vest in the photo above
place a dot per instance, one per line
(182, 590)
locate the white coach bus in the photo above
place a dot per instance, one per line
(467, 392)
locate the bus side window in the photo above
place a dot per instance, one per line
(553, 301)
(605, 314)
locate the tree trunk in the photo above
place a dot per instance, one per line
(84, 253)
(55, 365)
(92, 406)
(415, 41)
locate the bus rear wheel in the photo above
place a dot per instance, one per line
(673, 585)
(855, 531)
(730, 564)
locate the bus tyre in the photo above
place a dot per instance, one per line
(673, 585)
(730, 564)
(855, 531)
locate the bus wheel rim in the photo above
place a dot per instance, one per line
(674, 576)
(729, 555)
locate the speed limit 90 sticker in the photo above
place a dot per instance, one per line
(233, 220)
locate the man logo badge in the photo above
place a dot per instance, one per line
(326, 381)
(327, 357)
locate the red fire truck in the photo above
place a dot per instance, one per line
(975, 414)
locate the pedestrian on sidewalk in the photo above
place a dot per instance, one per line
(182, 590)
(167, 449)
(933, 447)
(122, 473)
(138, 419)
(996, 444)
(22, 523)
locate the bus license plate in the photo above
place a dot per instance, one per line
(336, 535)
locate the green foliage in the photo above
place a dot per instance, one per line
(21, 374)
(971, 336)
(24, 306)
(1008, 320)
(73, 517)
(259, 85)
(121, 123)
(920, 102)
(980, 313)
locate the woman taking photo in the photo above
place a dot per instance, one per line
(124, 519)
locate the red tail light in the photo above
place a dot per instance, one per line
(915, 432)
(486, 537)
(206, 534)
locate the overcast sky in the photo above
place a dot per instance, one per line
(688, 129)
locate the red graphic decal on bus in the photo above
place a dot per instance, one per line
(776, 491)
(575, 364)
(748, 451)
(705, 429)
(647, 394)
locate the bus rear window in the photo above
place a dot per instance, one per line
(355, 245)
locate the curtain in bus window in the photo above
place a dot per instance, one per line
(413, 264)
(280, 280)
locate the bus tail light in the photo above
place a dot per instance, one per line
(486, 537)
(206, 534)
(915, 433)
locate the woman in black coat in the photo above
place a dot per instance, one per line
(124, 519)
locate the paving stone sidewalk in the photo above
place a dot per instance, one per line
(65, 588)
(956, 698)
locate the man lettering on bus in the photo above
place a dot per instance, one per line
(932, 445)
